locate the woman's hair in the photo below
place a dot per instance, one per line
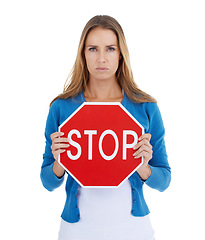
(79, 76)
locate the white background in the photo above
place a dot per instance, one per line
(38, 45)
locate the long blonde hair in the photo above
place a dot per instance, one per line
(77, 80)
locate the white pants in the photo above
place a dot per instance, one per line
(75, 231)
(106, 215)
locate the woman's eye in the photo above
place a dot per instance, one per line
(111, 49)
(92, 49)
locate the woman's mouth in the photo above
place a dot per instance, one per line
(100, 69)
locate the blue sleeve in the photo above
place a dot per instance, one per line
(49, 180)
(160, 170)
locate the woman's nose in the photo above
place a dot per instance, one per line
(101, 57)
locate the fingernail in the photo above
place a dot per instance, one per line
(61, 133)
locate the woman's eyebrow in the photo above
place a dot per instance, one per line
(111, 45)
(94, 46)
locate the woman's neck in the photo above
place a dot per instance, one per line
(103, 91)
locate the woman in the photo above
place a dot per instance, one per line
(102, 73)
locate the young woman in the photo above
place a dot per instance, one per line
(102, 73)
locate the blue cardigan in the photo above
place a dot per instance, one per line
(148, 115)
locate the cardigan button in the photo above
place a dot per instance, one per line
(134, 201)
(132, 211)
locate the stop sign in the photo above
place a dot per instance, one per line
(102, 137)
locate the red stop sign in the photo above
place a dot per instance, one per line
(102, 137)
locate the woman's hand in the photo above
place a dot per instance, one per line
(144, 149)
(58, 146)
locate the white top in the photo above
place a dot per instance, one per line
(105, 214)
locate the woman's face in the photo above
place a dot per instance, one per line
(102, 54)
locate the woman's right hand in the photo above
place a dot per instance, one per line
(58, 146)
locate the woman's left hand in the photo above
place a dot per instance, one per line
(144, 149)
